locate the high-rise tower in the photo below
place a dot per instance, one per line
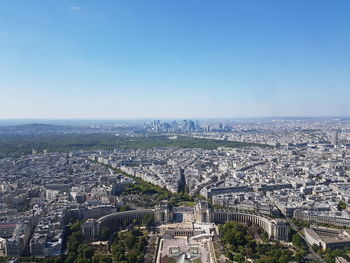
(334, 137)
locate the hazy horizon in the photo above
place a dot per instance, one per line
(175, 118)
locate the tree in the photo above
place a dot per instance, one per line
(315, 247)
(299, 256)
(341, 205)
(72, 246)
(284, 259)
(76, 236)
(239, 258)
(298, 241)
(70, 258)
(105, 233)
(141, 244)
(181, 188)
(60, 259)
(105, 259)
(129, 246)
(148, 221)
(87, 251)
(265, 236)
(124, 208)
(75, 227)
(130, 241)
(240, 244)
(98, 258)
(132, 257)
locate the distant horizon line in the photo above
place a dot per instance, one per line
(177, 118)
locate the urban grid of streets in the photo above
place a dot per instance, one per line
(304, 174)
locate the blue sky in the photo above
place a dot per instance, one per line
(119, 59)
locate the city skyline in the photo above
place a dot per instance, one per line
(71, 59)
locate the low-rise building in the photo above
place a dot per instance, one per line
(327, 237)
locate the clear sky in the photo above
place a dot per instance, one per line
(119, 59)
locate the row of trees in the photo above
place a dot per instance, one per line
(153, 194)
(181, 187)
(300, 246)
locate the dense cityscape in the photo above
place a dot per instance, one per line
(182, 131)
(286, 182)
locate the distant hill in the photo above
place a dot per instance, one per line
(35, 128)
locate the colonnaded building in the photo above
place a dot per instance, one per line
(277, 229)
